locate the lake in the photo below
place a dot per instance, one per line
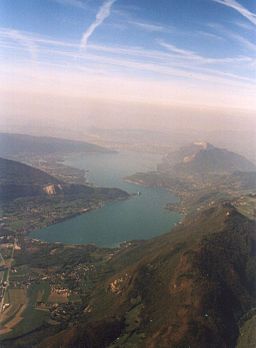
(139, 217)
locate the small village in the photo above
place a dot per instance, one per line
(60, 292)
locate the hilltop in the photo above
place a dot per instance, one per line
(14, 173)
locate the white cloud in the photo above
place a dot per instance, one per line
(27, 42)
(149, 26)
(244, 25)
(174, 62)
(242, 40)
(209, 35)
(191, 56)
(169, 66)
(239, 8)
(179, 51)
(79, 85)
(74, 3)
(102, 14)
(32, 40)
(236, 37)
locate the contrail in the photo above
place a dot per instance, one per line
(239, 8)
(102, 14)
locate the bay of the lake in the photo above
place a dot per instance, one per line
(139, 217)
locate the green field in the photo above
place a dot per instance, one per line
(247, 338)
(246, 205)
(32, 318)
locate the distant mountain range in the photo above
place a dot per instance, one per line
(15, 144)
(202, 158)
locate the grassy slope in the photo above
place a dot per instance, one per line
(247, 338)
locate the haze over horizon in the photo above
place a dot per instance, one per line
(74, 64)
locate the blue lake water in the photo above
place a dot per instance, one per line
(139, 217)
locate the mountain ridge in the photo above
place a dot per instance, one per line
(15, 144)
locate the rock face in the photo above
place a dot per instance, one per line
(118, 285)
(202, 158)
(52, 190)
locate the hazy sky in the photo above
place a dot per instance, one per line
(85, 61)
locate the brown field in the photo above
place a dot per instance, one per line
(39, 296)
(13, 314)
(17, 296)
(58, 298)
(13, 322)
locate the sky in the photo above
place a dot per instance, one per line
(92, 62)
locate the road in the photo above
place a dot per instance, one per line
(2, 263)
(5, 288)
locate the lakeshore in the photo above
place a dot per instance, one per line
(141, 216)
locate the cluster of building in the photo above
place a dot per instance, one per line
(66, 312)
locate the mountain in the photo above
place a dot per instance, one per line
(15, 144)
(202, 158)
(19, 180)
(13, 173)
(201, 174)
(188, 288)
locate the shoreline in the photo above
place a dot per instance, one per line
(74, 215)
